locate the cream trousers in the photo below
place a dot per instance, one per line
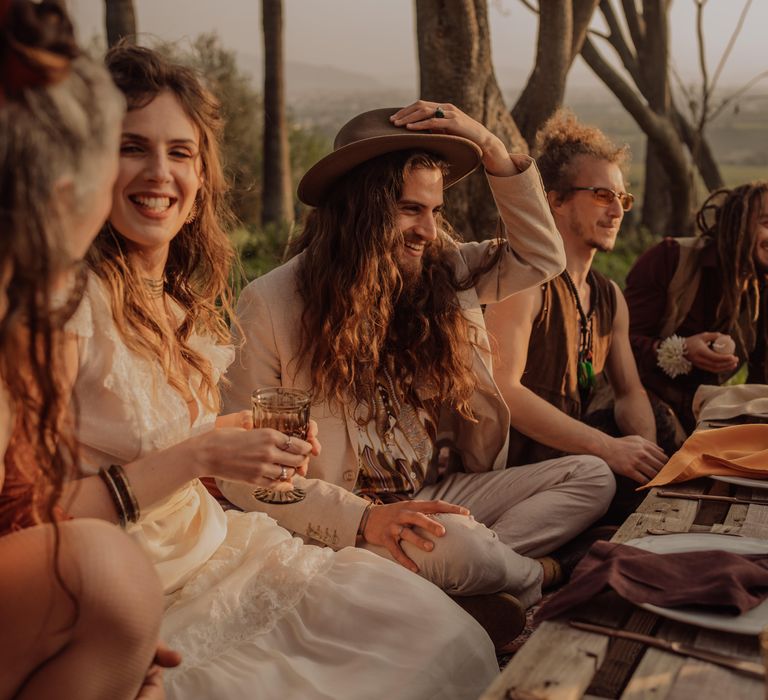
(518, 514)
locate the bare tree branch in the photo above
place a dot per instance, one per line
(619, 41)
(530, 6)
(705, 88)
(635, 22)
(664, 143)
(731, 98)
(543, 93)
(686, 91)
(583, 11)
(595, 32)
(731, 43)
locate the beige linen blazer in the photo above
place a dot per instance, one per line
(269, 311)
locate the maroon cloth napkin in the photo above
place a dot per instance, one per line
(716, 580)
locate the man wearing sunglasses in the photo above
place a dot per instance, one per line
(556, 340)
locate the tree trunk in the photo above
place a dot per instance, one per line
(700, 152)
(277, 199)
(455, 66)
(656, 201)
(668, 203)
(562, 28)
(120, 21)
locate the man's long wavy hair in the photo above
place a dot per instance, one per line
(729, 217)
(59, 113)
(361, 314)
(197, 274)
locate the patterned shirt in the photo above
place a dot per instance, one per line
(395, 446)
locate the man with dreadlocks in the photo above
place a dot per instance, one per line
(555, 341)
(697, 305)
(379, 315)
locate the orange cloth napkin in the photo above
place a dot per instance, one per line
(738, 450)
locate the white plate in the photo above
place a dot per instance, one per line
(743, 481)
(751, 622)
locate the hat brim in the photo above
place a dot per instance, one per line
(462, 156)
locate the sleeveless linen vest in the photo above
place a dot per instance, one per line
(551, 366)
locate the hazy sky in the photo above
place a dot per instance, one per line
(377, 37)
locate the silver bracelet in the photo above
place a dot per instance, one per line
(364, 521)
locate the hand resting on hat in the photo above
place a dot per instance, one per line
(421, 116)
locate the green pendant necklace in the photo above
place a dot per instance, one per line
(585, 371)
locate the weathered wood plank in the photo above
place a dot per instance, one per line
(560, 663)
(623, 656)
(655, 675)
(755, 522)
(670, 514)
(556, 663)
(698, 680)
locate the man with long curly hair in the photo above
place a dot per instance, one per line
(379, 315)
(554, 342)
(697, 304)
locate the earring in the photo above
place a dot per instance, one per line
(192, 213)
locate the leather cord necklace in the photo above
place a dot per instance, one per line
(585, 370)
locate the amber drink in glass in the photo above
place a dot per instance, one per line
(285, 410)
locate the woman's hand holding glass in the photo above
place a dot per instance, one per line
(259, 456)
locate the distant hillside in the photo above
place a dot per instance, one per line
(324, 97)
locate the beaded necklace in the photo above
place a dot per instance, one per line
(585, 371)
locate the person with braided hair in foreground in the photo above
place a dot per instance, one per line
(697, 305)
(80, 604)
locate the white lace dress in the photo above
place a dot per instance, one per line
(254, 611)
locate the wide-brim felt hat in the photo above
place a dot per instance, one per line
(372, 134)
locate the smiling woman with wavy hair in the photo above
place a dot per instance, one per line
(200, 256)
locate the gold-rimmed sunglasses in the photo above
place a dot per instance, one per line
(604, 196)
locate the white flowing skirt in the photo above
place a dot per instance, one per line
(270, 617)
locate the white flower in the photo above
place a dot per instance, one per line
(670, 356)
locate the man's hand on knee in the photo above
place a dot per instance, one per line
(389, 524)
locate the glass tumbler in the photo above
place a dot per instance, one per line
(285, 410)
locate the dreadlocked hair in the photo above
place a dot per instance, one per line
(200, 259)
(728, 217)
(361, 314)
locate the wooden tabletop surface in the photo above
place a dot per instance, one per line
(562, 663)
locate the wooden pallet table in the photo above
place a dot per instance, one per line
(559, 662)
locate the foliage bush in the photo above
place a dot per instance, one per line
(631, 242)
(260, 249)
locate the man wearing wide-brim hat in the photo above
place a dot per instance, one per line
(379, 315)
